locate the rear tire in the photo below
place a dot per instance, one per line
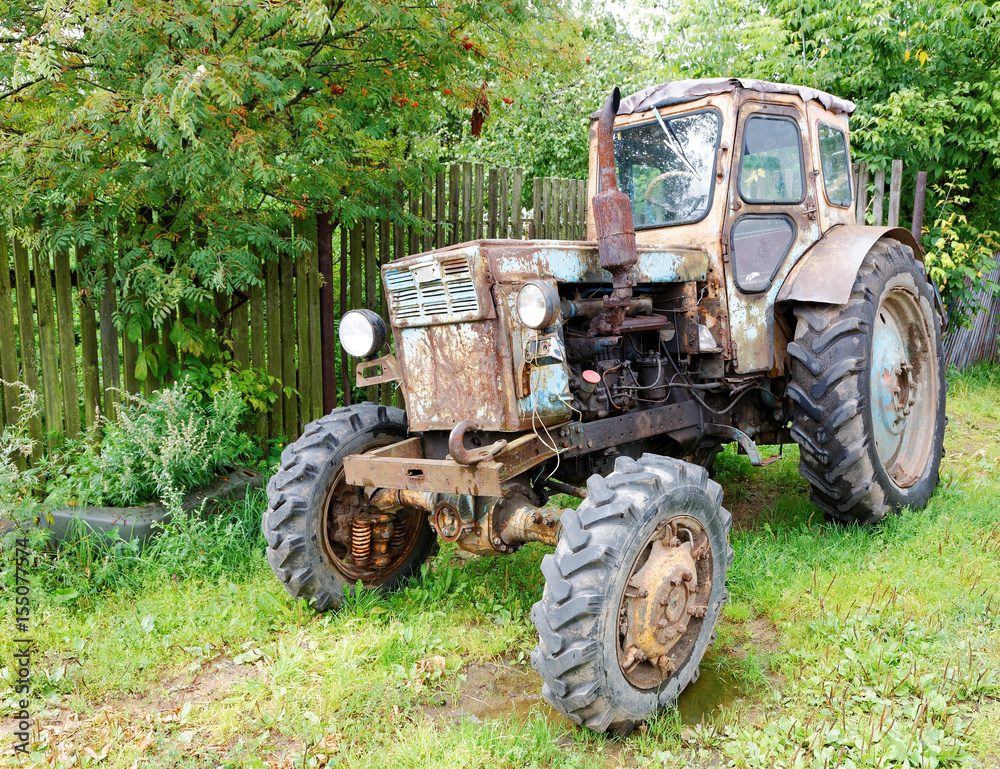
(592, 613)
(308, 536)
(868, 388)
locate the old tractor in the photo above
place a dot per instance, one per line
(725, 294)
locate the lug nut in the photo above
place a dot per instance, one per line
(687, 576)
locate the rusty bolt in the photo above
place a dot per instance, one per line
(536, 518)
(664, 601)
(675, 581)
(687, 576)
(674, 542)
(497, 541)
(550, 522)
(643, 593)
(663, 623)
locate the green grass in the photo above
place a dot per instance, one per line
(851, 647)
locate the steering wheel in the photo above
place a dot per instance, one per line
(656, 180)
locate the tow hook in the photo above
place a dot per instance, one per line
(464, 456)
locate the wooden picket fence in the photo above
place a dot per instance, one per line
(870, 203)
(58, 342)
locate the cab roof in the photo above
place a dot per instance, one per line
(680, 91)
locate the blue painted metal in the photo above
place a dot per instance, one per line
(568, 262)
(888, 386)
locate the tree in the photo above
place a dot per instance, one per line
(174, 141)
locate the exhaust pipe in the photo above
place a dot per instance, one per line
(615, 230)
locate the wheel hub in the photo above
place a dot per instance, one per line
(665, 598)
(903, 387)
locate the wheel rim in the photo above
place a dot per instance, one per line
(904, 387)
(347, 523)
(662, 609)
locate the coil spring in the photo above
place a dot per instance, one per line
(361, 542)
(398, 533)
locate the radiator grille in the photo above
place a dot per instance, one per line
(433, 291)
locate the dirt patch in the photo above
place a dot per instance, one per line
(496, 690)
(66, 731)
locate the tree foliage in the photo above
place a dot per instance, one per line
(175, 141)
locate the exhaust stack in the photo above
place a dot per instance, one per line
(615, 230)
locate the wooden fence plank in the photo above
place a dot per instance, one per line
(427, 214)
(110, 361)
(303, 354)
(581, 207)
(440, 211)
(454, 198)
(413, 232)
(879, 198)
(492, 192)
(67, 343)
(241, 329)
(8, 348)
(515, 203)
(130, 351)
(504, 231)
(536, 209)
(477, 200)
(356, 295)
(150, 337)
(315, 323)
(272, 306)
(89, 360)
(345, 371)
(862, 206)
(258, 352)
(571, 218)
(371, 274)
(467, 219)
(895, 191)
(384, 257)
(286, 270)
(26, 333)
(48, 349)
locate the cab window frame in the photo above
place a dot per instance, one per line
(802, 161)
(820, 124)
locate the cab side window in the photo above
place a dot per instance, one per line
(835, 162)
(771, 166)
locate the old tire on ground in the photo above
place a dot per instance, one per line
(308, 538)
(868, 385)
(612, 578)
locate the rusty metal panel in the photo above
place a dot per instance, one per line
(403, 466)
(576, 262)
(826, 272)
(438, 475)
(452, 373)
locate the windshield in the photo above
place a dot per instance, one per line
(667, 167)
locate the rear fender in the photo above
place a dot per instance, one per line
(825, 274)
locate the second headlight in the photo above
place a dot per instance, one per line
(537, 304)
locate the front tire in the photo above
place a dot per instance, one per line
(315, 522)
(868, 385)
(632, 592)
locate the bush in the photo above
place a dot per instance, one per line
(157, 449)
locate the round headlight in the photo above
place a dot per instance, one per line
(537, 304)
(362, 332)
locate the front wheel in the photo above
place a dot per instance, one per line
(322, 537)
(868, 384)
(632, 592)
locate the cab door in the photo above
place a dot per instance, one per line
(770, 222)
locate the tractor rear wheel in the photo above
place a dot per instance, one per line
(322, 537)
(632, 592)
(868, 385)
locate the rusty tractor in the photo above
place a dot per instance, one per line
(725, 294)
